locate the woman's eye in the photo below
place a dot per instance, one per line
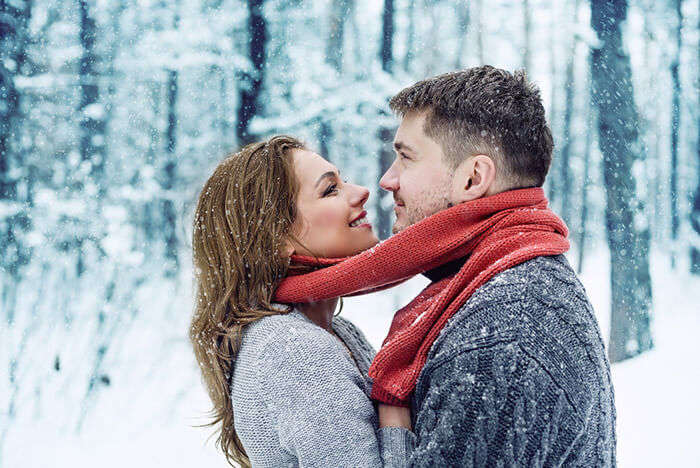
(330, 189)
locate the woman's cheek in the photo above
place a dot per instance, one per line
(329, 218)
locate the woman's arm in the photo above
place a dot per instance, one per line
(324, 418)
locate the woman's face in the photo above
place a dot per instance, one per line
(328, 209)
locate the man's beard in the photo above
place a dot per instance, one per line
(414, 214)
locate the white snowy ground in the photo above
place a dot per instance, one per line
(145, 418)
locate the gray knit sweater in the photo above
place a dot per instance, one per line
(300, 399)
(518, 377)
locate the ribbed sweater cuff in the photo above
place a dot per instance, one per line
(383, 396)
(397, 444)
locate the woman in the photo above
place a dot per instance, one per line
(288, 382)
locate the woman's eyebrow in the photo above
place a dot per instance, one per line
(325, 175)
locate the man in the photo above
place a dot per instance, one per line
(518, 376)
(500, 357)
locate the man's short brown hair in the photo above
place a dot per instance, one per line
(485, 110)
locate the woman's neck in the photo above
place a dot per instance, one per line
(320, 313)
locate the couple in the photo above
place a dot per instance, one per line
(497, 362)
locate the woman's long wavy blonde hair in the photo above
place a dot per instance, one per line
(245, 212)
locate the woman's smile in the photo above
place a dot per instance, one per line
(331, 210)
(361, 221)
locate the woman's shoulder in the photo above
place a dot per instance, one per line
(290, 332)
(283, 343)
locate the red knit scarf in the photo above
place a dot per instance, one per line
(495, 233)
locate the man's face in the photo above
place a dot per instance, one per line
(418, 178)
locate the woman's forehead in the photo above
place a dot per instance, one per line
(310, 166)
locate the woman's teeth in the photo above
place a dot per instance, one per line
(357, 222)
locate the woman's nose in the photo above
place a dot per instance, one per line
(361, 194)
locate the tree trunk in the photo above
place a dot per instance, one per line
(651, 131)
(567, 137)
(252, 82)
(385, 134)
(92, 124)
(325, 136)
(168, 178)
(339, 11)
(675, 127)
(586, 173)
(463, 20)
(631, 295)
(410, 35)
(527, 27)
(14, 20)
(11, 35)
(386, 51)
(479, 32)
(695, 214)
(554, 170)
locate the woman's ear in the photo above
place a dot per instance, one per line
(288, 248)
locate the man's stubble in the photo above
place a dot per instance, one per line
(428, 203)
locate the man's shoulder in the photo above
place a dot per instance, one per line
(527, 336)
(511, 284)
(522, 300)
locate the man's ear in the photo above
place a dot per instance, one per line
(474, 178)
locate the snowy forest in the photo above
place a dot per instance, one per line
(114, 112)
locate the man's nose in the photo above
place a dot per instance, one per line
(390, 179)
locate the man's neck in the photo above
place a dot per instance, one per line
(445, 270)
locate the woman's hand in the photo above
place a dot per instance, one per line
(394, 416)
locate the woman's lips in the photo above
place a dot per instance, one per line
(360, 216)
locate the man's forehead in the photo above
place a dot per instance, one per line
(414, 118)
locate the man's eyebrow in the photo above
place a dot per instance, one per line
(325, 175)
(399, 145)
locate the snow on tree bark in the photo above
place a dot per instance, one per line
(385, 134)
(14, 219)
(628, 236)
(253, 80)
(675, 126)
(695, 213)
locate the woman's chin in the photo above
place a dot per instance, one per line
(370, 243)
(357, 248)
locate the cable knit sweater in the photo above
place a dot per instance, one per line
(518, 377)
(300, 399)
